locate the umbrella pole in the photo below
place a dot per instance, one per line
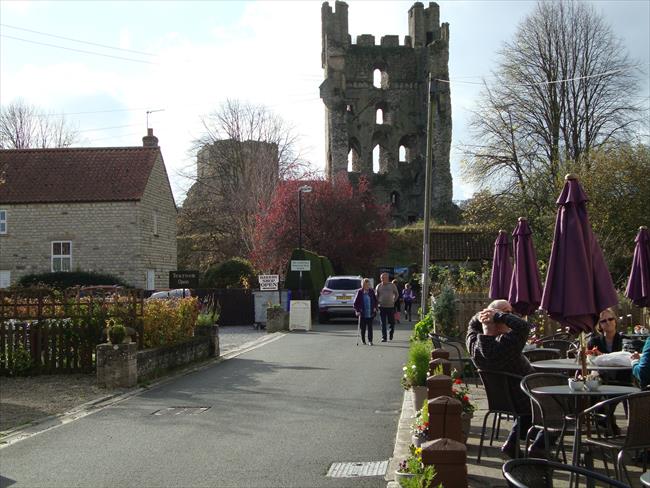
(582, 354)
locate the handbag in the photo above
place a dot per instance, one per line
(397, 316)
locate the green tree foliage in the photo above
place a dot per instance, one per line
(444, 312)
(234, 273)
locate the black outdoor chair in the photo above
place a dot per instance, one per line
(540, 473)
(635, 438)
(548, 411)
(458, 355)
(563, 345)
(541, 354)
(498, 387)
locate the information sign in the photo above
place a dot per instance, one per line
(300, 265)
(300, 315)
(183, 279)
(268, 282)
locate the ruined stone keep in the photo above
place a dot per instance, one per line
(376, 99)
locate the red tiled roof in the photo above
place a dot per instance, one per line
(75, 174)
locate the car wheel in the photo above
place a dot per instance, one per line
(323, 318)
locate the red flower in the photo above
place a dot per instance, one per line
(458, 381)
(466, 398)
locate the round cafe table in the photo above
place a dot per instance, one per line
(572, 365)
(645, 478)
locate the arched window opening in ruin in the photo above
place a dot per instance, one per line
(402, 154)
(353, 160)
(377, 78)
(375, 159)
(394, 199)
(379, 119)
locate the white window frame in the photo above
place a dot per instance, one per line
(3, 221)
(6, 273)
(60, 256)
(155, 223)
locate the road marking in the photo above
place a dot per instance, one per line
(180, 411)
(357, 469)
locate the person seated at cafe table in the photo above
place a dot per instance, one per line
(607, 340)
(641, 365)
(495, 339)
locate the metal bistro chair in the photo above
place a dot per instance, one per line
(457, 353)
(540, 473)
(548, 412)
(636, 437)
(541, 354)
(498, 387)
(563, 345)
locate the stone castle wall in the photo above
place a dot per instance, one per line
(352, 102)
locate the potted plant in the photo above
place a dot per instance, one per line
(412, 473)
(444, 313)
(460, 391)
(415, 371)
(420, 425)
(116, 331)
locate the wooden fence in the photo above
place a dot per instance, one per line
(48, 332)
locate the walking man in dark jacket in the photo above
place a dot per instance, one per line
(495, 340)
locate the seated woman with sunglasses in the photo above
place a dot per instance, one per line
(608, 338)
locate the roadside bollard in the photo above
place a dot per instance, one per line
(446, 366)
(444, 419)
(439, 385)
(449, 457)
(439, 353)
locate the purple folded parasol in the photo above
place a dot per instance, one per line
(525, 287)
(638, 285)
(578, 284)
(501, 267)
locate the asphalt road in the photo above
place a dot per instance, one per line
(278, 416)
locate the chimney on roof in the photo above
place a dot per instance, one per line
(150, 140)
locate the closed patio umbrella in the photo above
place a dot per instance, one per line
(578, 285)
(638, 285)
(501, 267)
(525, 293)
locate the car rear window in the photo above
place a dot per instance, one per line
(343, 284)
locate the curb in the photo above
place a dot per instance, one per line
(50, 422)
(402, 439)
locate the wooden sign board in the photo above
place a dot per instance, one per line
(300, 315)
(183, 279)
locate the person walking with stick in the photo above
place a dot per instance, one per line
(365, 306)
(387, 294)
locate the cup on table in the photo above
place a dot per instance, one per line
(576, 385)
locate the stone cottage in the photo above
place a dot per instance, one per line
(108, 210)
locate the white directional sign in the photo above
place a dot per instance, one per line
(268, 282)
(300, 265)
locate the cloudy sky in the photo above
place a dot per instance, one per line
(185, 58)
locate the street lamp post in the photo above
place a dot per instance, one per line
(301, 190)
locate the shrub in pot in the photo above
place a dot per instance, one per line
(116, 331)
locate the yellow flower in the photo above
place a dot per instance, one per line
(418, 451)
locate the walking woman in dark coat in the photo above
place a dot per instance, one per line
(365, 306)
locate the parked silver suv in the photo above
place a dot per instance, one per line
(337, 297)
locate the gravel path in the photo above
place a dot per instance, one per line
(23, 400)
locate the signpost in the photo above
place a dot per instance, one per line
(268, 282)
(183, 279)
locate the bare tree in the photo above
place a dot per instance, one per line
(24, 126)
(563, 87)
(242, 155)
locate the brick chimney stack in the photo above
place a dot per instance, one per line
(150, 140)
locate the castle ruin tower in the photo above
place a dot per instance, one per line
(375, 98)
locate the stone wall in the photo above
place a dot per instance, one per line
(153, 362)
(102, 235)
(159, 249)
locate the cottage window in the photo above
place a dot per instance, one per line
(3, 221)
(155, 223)
(61, 256)
(5, 279)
